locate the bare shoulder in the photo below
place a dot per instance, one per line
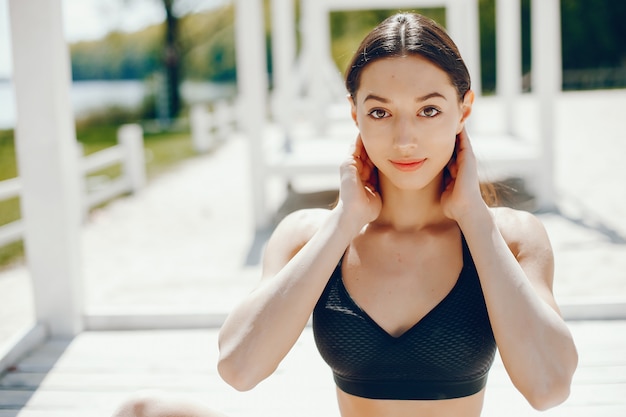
(291, 234)
(528, 240)
(522, 230)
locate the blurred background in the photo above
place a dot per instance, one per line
(149, 62)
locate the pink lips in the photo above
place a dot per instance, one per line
(407, 165)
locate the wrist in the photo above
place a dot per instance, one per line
(346, 222)
(474, 216)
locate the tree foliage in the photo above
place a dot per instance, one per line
(593, 36)
(206, 46)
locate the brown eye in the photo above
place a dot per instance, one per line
(378, 114)
(429, 112)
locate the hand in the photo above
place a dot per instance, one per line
(358, 190)
(461, 192)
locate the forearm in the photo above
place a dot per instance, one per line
(534, 342)
(263, 328)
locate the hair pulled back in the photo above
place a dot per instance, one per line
(406, 34)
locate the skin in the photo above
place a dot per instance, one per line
(399, 222)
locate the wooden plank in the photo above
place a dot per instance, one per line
(91, 374)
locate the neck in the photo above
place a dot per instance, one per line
(411, 210)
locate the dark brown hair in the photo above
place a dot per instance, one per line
(409, 34)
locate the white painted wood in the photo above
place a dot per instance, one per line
(130, 137)
(107, 321)
(331, 5)
(20, 345)
(546, 84)
(129, 153)
(201, 123)
(283, 59)
(46, 155)
(318, 64)
(252, 86)
(463, 27)
(92, 373)
(210, 127)
(102, 159)
(224, 119)
(319, 79)
(112, 189)
(10, 188)
(11, 232)
(508, 56)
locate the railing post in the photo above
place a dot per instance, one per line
(223, 119)
(130, 137)
(201, 128)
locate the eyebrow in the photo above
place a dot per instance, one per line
(417, 100)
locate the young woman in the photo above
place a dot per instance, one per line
(412, 279)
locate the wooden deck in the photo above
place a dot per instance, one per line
(89, 375)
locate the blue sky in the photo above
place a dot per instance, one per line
(92, 19)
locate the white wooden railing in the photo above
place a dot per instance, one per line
(13, 231)
(212, 125)
(128, 152)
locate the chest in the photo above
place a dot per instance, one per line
(398, 284)
(453, 341)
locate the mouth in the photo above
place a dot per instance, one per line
(408, 165)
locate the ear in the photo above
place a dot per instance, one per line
(466, 110)
(353, 110)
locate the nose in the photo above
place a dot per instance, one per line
(405, 134)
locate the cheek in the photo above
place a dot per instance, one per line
(448, 144)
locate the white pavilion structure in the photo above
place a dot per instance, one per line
(45, 136)
(311, 82)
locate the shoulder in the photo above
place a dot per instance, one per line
(528, 240)
(520, 229)
(289, 236)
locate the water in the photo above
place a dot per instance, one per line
(88, 96)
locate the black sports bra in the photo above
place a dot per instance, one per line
(447, 354)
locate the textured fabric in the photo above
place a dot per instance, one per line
(447, 354)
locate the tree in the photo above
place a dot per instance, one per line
(171, 60)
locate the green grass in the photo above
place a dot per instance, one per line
(163, 151)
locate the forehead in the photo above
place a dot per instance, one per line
(412, 74)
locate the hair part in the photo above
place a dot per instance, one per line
(405, 34)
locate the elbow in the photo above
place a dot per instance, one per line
(553, 386)
(236, 374)
(548, 396)
(551, 391)
(242, 372)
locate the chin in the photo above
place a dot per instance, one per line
(416, 181)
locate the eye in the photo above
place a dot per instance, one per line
(429, 112)
(378, 113)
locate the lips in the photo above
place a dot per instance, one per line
(408, 165)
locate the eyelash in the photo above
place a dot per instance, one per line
(438, 112)
(375, 113)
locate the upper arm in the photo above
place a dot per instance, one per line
(291, 234)
(529, 242)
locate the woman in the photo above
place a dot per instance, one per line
(411, 278)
